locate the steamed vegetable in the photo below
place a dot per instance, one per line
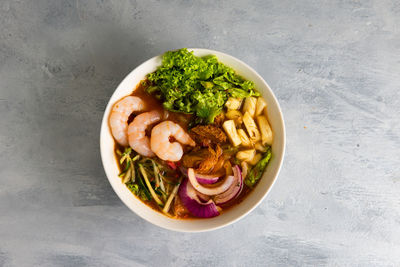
(200, 85)
(256, 172)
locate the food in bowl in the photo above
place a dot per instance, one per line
(193, 138)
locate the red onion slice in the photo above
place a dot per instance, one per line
(234, 190)
(203, 198)
(191, 201)
(211, 191)
(206, 179)
(202, 178)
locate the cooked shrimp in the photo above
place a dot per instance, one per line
(161, 145)
(137, 132)
(119, 117)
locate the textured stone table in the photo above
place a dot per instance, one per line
(334, 66)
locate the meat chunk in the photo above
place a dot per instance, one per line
(210, 161)
(219, 119)
(204, 161)
(205, 135)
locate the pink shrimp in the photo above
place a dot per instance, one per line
(161, 145)
(137, 132)
(119, 117)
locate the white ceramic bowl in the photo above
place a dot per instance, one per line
(233, 214)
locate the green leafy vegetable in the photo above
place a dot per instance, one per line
(197, 85)
(255, 173)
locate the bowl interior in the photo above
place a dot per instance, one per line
(233, 214)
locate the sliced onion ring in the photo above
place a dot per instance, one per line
(191, 201)
(234, 190)
(202, 197)
(203, 178)
(211, 191)
(206, 179)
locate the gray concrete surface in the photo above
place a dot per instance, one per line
(334, 66)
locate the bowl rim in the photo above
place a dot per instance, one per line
(239, 217)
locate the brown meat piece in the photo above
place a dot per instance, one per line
(206, 135)
(219, 119)
(207, 165)
(206, 160)
(194, 158)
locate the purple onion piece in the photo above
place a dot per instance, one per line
(210, 191)
(194, 205)
(202, 178)
(234, 190)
